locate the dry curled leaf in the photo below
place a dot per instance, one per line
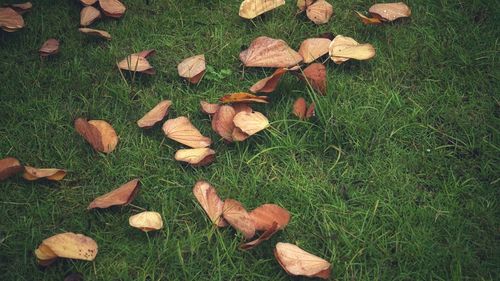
(154, 115)
(181, 130)
(250, 9)
(136, 63)
(243, 97)
(265, 215)
(66, 245)
(314, 48)
(120, 196)
(209, 108)
(251, 123)
(263, 237)
(10, 20)
(88, 15)
(9, 166)
(88, 2)
(21, 8)
(32, 174)
(268, 84)
(98, 133)
(344, 48)
(207, 196)
(196, 156)
(298, 262)
(112, 8)
(315, 75)
(146, 221)
(49, 48)
(192, 68)
(236, 215)
(303, 4)
(301, 110)
(368, 21)
(390, 11)
(95, 32)
(269, 52)
(222, 122)
(319, 12)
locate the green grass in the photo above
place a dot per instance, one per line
(397, 178)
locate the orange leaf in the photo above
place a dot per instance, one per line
(303, 4)
(268, 84)
(344, 48)
(154, 115)
(95, 32)
(209, 108)
(192, 68)
(310, 111)
(315, 75)
(181, 130)
(299, 108)
(265, 215)
(207, 196)
(50, 47)
(263, 237)
(368, 21)
(146, 53)
(10, 20)
(146, 221)
(196, 156)
(66, 245)
(319, 12)
(109, 139)
(112, 8)
(250, 9)
(222, 122)
(121, 196)
(8, 167)
(298, 262)
(314, 48)
(269, 52)
(243, 97)
(251, 123)
(88, 15)
(237, 217)
(390, 11)
(136, 63)
(32, 174)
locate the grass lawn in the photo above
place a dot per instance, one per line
(396, 179)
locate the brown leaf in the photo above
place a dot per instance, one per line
(109, 139)
(66, 245)
(121, 196)
(269, 52)
(88, 15)
(181, 130)
(50, 47)
(32, 174)
(299, 108)
(310, 111)
(243, 97)
(314, 48)
(222, 122)
(250, 9)
(154, 115)
(136, 63)
(303, 4)
(207, 196)
(88, 2)
(368, 21)
(95, 32)
(8, 167)
(146, 221)
(112, 8)
(196, 156)
(268, 84)
(10, 20)
(192, 68)
(239, 135)
(265, 215)
(251, 123)
(319, 12)
(209, 108)
(390, 11)
(298, 262)
(236, 215)
(90, 133)
(344, 48)
(315, 75)
(263, 237)
(146, 53)
(21, 8)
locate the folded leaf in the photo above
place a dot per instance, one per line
(263, 237)
(121, 196)
(154, 115)
(266, 215)
(390, 11)
(251, 123)
(66, 245)
(314, 48)
(146, 221)
(344, 48)
(32, 174)
(250, 9)
(10, 20)
(136, 63)
(181, 130)
(268, 84)
(49, 48)
(315, 75)
(237, 217)
(192, 68)
(112, 8)
(298, 262)
(207, 196)
(243, 97)
(95, 32)
(319, 12)
(209, 108)
(8, 167)
(269, 52)
(88, 15)
(196, 156)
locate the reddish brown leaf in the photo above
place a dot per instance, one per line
(196, 156)
(236, 215)
(315, 75)
(368, 21)
(264, 216)
(95, 32)
(263, 237)
(32, 174)
(390, 11)
(121, 196)
(269, 52)
(181, 130)
(319, 12)
(137, 63)
(298, 262)
(243, 97)
(8, 167)
(49, 48)
(112, 8)
(209, 108)
(268, 84)
(88, 15)
(88, 2)
(310, 111)
(154, 115)
(192, 68)
(222, 122)
(10, 20)
(207, 196)
(299, 108)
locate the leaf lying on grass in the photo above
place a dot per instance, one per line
(298, 262)
(112, 8)
(196, 156)
(390, 11)
(236, 215)
(98, 133)
(344, 48)
(88, 15)
(319, 12)
(9, 166)
(49, 48)
(154, 115)
(243, 97)
(207, 196)
(266, 235)
(121, 196)
(222, 122)
(192, 68)
(301, 110)
(95, 32)
(303, 4)
(138, 63)
(10, 20)
(181, 130)
(268, 84)
(146, 221)
(314, 48)
(250, 9)
(269, 52)
(66, 245)
(209, 108)
(265, 215)
(315, 75)
(32, 174)
(251, 122)
(368, 21)
(88, 2)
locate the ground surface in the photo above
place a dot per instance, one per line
(397, 178)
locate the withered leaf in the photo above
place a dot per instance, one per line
(88, 15)
(222, 122)
(10, 20)
(192, 68)
(263, 237)
(314, 48)
(251, 123)
(21, 8)
(53, 174)
(112, 8)
(146, 221)
(136, 63)
(303, 4)
(269, 52)
(250, 9)
(88, 2)
(196, 156)
(268, 84)
(95, 32)
(319, 12)
(49, 48)
(9, 166)
(344, 48)
(368, 21)
(265, 215)
(181, 130)
(390, 11)
(121, 196)
(298, 262)
(236, 215)
(207, 196)
(154, 115)
(209, 108)
(315, 75)
(66, 245)
(243, 97)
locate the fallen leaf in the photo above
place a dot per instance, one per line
(390, 11)
(10, 20)
(250, 9)
(66, 245)
(234, 213)
(154, 115)
(181, 130)
(120, 196)
(88, 15)
(112, 8)
(88, 2)
(49, 48)
(32, 174)
(268, 84)
(196, 156)
(241, 107)
(263, 237)
(98, 133)
(310, 111)
(243, 97)
(269, 52)
(95, 32)
(146, 53)
(146, 221)
(300, 108)
(222, 122)
(368, 21)
(239, 135)
(344, 48)
(209, 108)
(21, 8)
(298, 262)
(315, 75)
(207, 196)
(314, 48)
(8, 167)
(251, 123)
(192, 68)
(303, 4)
(136, 63)
(319, 12)
(265, 215)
